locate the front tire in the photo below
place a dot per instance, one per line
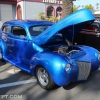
(44, 79)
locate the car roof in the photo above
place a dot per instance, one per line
(28, 22)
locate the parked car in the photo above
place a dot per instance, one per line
(43, 49)
(89, 35)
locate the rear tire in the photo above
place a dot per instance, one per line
(44, 79)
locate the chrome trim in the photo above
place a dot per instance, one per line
(84, 70)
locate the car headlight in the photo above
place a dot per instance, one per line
(99, 56)
(67, 68)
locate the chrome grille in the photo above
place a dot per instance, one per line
(84, 70)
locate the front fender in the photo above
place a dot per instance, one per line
(90, 50)
(93, 55)
(54, 64)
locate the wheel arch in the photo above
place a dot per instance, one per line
(53, 70)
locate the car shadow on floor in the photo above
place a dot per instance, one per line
(17, 77)
(2, 62)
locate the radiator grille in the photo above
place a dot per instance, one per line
(84, 70)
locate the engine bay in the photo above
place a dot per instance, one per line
(62, 49)
(59, 45)
(68, 51)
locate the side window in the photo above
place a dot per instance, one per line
(6, 29)
(18, 31)
(36, 30)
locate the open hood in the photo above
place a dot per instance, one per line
(70, 26)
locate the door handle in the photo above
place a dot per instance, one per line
(10, 45)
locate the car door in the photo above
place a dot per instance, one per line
(6, 29)
(22, 45)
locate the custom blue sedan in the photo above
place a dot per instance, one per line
(46, 50)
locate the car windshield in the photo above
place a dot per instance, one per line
(36, 30)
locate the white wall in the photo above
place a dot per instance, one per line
(32, 9)
(7, 12)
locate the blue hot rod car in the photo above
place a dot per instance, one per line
(46, 50)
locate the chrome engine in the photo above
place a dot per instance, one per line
(65, 50)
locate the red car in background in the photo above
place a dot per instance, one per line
(89, 35)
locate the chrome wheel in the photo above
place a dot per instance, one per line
(44, 79)
(42, 76)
